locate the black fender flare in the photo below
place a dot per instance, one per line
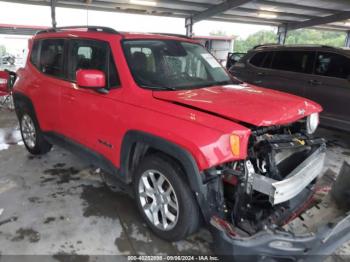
(180, 154)
(21, 100)
(192, 173)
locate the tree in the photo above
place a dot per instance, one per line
(301, 36)
(312, 36)
(261, 37)
(2, 50)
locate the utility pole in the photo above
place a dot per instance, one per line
(282, 34)
(53, 13)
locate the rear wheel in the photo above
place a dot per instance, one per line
(32, 136)
(11, 61)
(164, 198)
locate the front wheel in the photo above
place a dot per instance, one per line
(164, 198)
(32, 136)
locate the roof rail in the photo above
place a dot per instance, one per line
(266, 45)
(88, 28)
(294, 45)
(328, 46)
(310, 45)
(176, 35)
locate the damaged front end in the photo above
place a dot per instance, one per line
(252, 204)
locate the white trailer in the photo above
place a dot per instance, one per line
(219, 46)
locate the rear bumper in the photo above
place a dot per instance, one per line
(273, 245)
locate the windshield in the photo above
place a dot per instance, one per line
(173, 65)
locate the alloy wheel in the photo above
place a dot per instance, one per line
(158, 200)
(28, 131)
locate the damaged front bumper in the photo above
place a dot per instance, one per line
(327, 229)
(296, 181)
(272, 245)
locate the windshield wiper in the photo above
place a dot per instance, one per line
(166, 88)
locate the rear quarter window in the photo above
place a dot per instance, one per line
(332, 65)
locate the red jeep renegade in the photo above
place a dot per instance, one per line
(159, 113)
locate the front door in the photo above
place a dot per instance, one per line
(91, 118)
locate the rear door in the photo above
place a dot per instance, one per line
(48, 58)
(330, 87)
(91, 118)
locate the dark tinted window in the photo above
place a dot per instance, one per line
(333, 65)
(90, 54)
(262, 59)
(258, 59)
(34, 55)
(51, 57)
(267, 60)
(294, 61)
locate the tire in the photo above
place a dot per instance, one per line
(174, 194)
(32, 136)
(11, 61)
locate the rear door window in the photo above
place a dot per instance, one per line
(52, 57)
(332, 65)
(92, 54)
(294, 61)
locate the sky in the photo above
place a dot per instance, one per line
(41, 16)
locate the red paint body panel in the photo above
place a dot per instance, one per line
(203, 127)
(4, 77)
(250, 104)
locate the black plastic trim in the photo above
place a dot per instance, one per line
(93, 157)
(21, 100)
(184, 157)
(193, 175)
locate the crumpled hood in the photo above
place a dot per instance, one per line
(244, 103)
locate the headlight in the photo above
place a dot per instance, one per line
(312, 123)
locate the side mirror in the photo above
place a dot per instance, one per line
(4, 81)
(89, 78)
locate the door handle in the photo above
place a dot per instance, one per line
(260, 74)
(314, 82)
